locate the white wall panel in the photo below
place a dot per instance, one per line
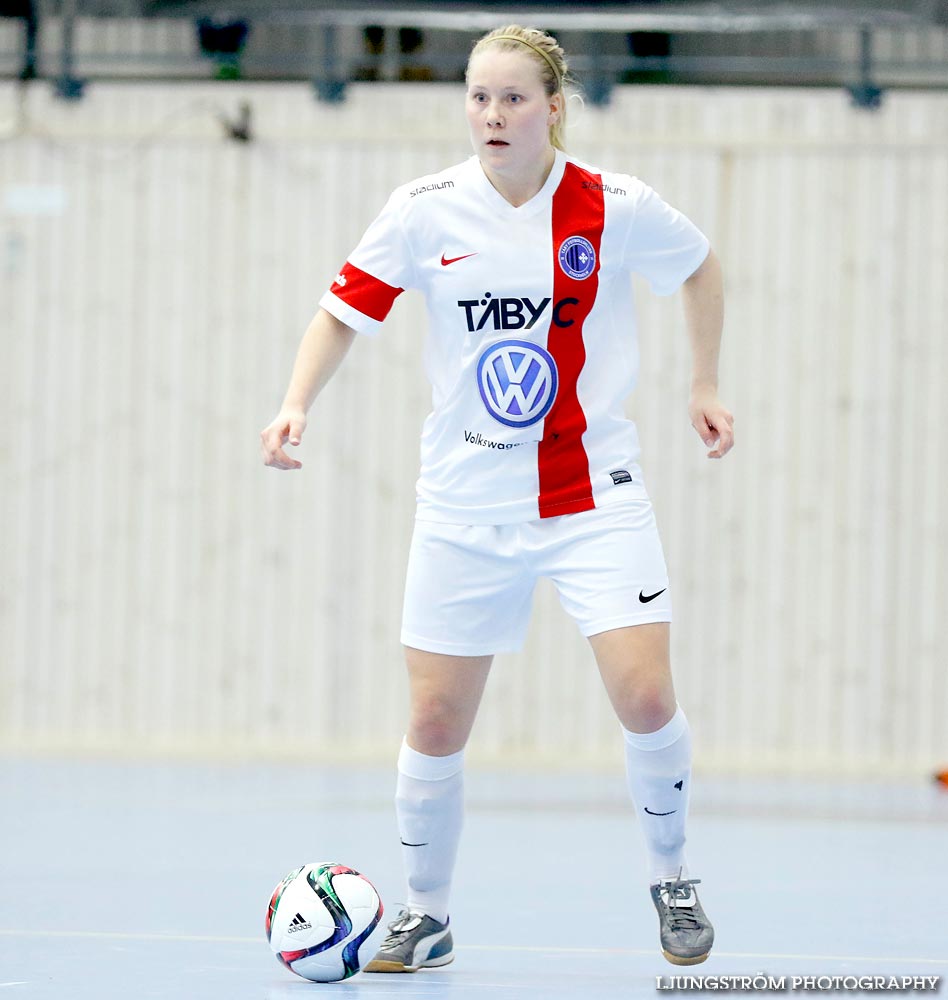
(162, 591)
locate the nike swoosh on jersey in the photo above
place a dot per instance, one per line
(453, 260)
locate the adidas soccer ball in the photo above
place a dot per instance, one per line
(319, 916)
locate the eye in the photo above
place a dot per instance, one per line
(480, 98)
(515, 98)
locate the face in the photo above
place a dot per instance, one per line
(508, 111)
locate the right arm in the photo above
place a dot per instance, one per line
(324, 345)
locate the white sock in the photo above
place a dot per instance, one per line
(429, 806)
(658, 766)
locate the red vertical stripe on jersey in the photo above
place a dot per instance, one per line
(363, 291)
(565, 487)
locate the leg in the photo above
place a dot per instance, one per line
(635, 666)
(634, 663)
(463, 583)
(445, 692)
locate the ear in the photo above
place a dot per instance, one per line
(556, 107)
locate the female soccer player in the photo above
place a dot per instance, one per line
(529, 467)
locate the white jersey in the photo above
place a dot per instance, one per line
(531, 348)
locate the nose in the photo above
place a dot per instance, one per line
(494, 118)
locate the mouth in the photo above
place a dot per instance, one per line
(497, 143)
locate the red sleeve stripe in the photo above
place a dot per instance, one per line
(362, 291)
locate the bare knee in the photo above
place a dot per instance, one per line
(445, 692)
(645, 708)
(634, 664)
(436, 726)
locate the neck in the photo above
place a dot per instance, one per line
(519, 188)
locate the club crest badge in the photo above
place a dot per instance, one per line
(577, 257)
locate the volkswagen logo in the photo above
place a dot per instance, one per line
(517, 381)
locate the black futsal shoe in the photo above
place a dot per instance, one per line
(686, 933)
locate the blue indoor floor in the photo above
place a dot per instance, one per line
(143, 880)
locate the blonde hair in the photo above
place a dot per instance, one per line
(550, 60)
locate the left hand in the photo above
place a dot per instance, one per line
(713, 422)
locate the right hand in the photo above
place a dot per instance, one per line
(288, 427)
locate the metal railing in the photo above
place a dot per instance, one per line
(321, 58)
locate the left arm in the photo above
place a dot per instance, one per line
(703, 296)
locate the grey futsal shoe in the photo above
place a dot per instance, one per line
(686, 933)
(415, 941)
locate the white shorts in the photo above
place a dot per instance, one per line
(469, 588)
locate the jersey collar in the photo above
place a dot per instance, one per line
(537, 203)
